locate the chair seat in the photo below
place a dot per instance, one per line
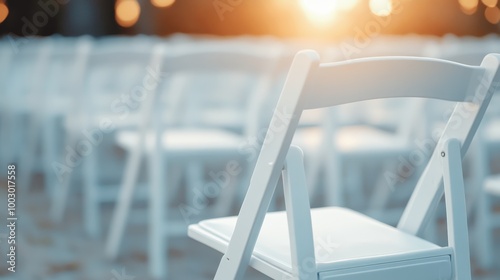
(492, 185)
(228, 119)
(199, 142)
(354, 140)
(350, 240)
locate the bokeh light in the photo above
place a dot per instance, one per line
(381, 8)
(162, 3)
(492, 15)
(469, 7)
(490, 3)
(127, 12)
(4, 11)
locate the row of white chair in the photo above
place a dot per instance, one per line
(102, 76)
(116, 91)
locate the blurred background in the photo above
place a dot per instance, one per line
(283, 19)
(86, 87)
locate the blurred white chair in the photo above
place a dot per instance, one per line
(486, 217)
(482, 185)
(26, 91)
(192, 144)
(63, 80)
(6, 67)
(112, 74)
(337, 243)
(66, 97)
(486, 185)
(340, 150)
(40, 103)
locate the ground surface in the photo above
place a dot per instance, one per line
(46, 251)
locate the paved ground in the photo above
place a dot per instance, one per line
(64, 252)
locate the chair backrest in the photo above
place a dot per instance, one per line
(6, 57)
(375, 112)
(26, 76)
(114, 72)
(66, 70)
(312, 85)
(362, 79)
(68, 95)
(201, 79)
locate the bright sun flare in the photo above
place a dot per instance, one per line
(325, 10)
(319, 8)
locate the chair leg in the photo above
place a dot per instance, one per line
(122, 207)
(480, 169)
(355, 186)
(28, 157)
(12, 138)
(242, 190)
(334, 191)
(60, 196)
(6, 134)
(225, 200)
(91, 200)
(157, 215)
(382, 191)
(194, 178)
(230, 195)
(175, 175)
(49, 155)
(484, 232)
(314, 171)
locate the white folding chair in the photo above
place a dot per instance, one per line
(334, 242)
(67, 60)
(486, 186)
(24, 99)
(67, 95)
(482, 185)
(190, 144)
(111, 75)
(487, 220)
(6, 130)
(43, 104)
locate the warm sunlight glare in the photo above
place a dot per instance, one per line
(468, 6)
(162, 3)
(320, 10)
(127, 12)
(346, 5)
(381, 8)
(4, 11)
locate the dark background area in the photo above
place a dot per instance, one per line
(282, 18)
